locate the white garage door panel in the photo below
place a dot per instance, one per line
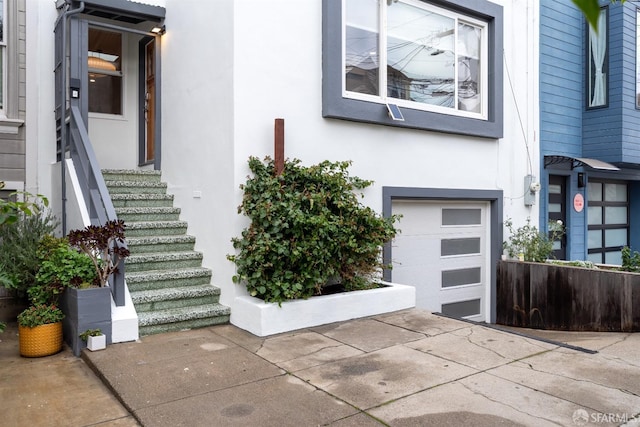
(418, 259)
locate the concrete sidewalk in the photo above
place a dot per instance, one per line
(409, 368)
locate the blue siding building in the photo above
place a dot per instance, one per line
(590, 130)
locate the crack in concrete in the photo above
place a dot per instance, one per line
(313, 353)
(576, 379)
(470, 341)
(517, 409)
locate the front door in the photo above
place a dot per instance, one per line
(149, 101)
(557, 208)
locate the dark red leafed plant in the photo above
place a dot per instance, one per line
(104, 244)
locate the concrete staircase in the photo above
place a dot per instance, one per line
(169, 287)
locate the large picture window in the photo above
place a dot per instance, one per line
(105, 71)
(598, 63)
(425, 57)
(439, 63)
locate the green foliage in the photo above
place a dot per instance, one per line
(41, 314)
(3, 326)
(529, 242)
(90, 333)
(307, 227)
(576, 263)
(591, 10)
(19, 261)
(12, 211)
(61, 267)
(630, 260)
(104, 245)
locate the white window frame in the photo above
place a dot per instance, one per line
(382, 74)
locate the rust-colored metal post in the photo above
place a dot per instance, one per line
(279, 145)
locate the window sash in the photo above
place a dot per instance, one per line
(375, 83)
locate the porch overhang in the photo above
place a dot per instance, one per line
(122, 10)
(575, 162)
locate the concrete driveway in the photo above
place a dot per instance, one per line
(409, 368)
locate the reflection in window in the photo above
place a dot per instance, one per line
(105, 71)
(433, 57)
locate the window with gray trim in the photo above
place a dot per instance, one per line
(440, 61)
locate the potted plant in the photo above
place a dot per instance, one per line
(308, 234)
(40, 330)
(23, 224)
(95, 339)
(87, 302)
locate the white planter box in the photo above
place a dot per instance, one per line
(97, 343)
(263, 319)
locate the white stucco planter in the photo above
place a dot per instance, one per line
(263, 319)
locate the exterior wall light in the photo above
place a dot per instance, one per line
(159, 29)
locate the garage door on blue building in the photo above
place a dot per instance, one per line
(443, 250)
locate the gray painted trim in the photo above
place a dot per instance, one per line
(137, 9)
(495, 199)
(335, 106)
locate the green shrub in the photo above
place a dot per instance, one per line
(307, 227)
(19, 261)
(630, 260)
(62, 266)
(528, 241)
(41, 314)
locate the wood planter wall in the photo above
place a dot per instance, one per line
(557, 297)
(85, 309)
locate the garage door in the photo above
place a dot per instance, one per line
(443, 250)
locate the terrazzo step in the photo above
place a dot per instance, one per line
(163, 299)
(177, 319)
(136, 187)
(155, 228)
(124, 200)
(150, 244)
(131, 175)
(148, 214)
(163, 261)
(159, 279)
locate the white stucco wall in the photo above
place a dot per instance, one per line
(230, 67)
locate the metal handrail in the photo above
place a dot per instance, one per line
(94, 191)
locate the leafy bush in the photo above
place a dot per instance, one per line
(630, 260)
(307, 227)
(528, 241)
(19, 261)
(61, 267)
(13, 210)
(41, 314)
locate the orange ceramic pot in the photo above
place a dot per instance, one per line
(40, 341)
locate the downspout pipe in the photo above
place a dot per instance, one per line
(63, 125)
